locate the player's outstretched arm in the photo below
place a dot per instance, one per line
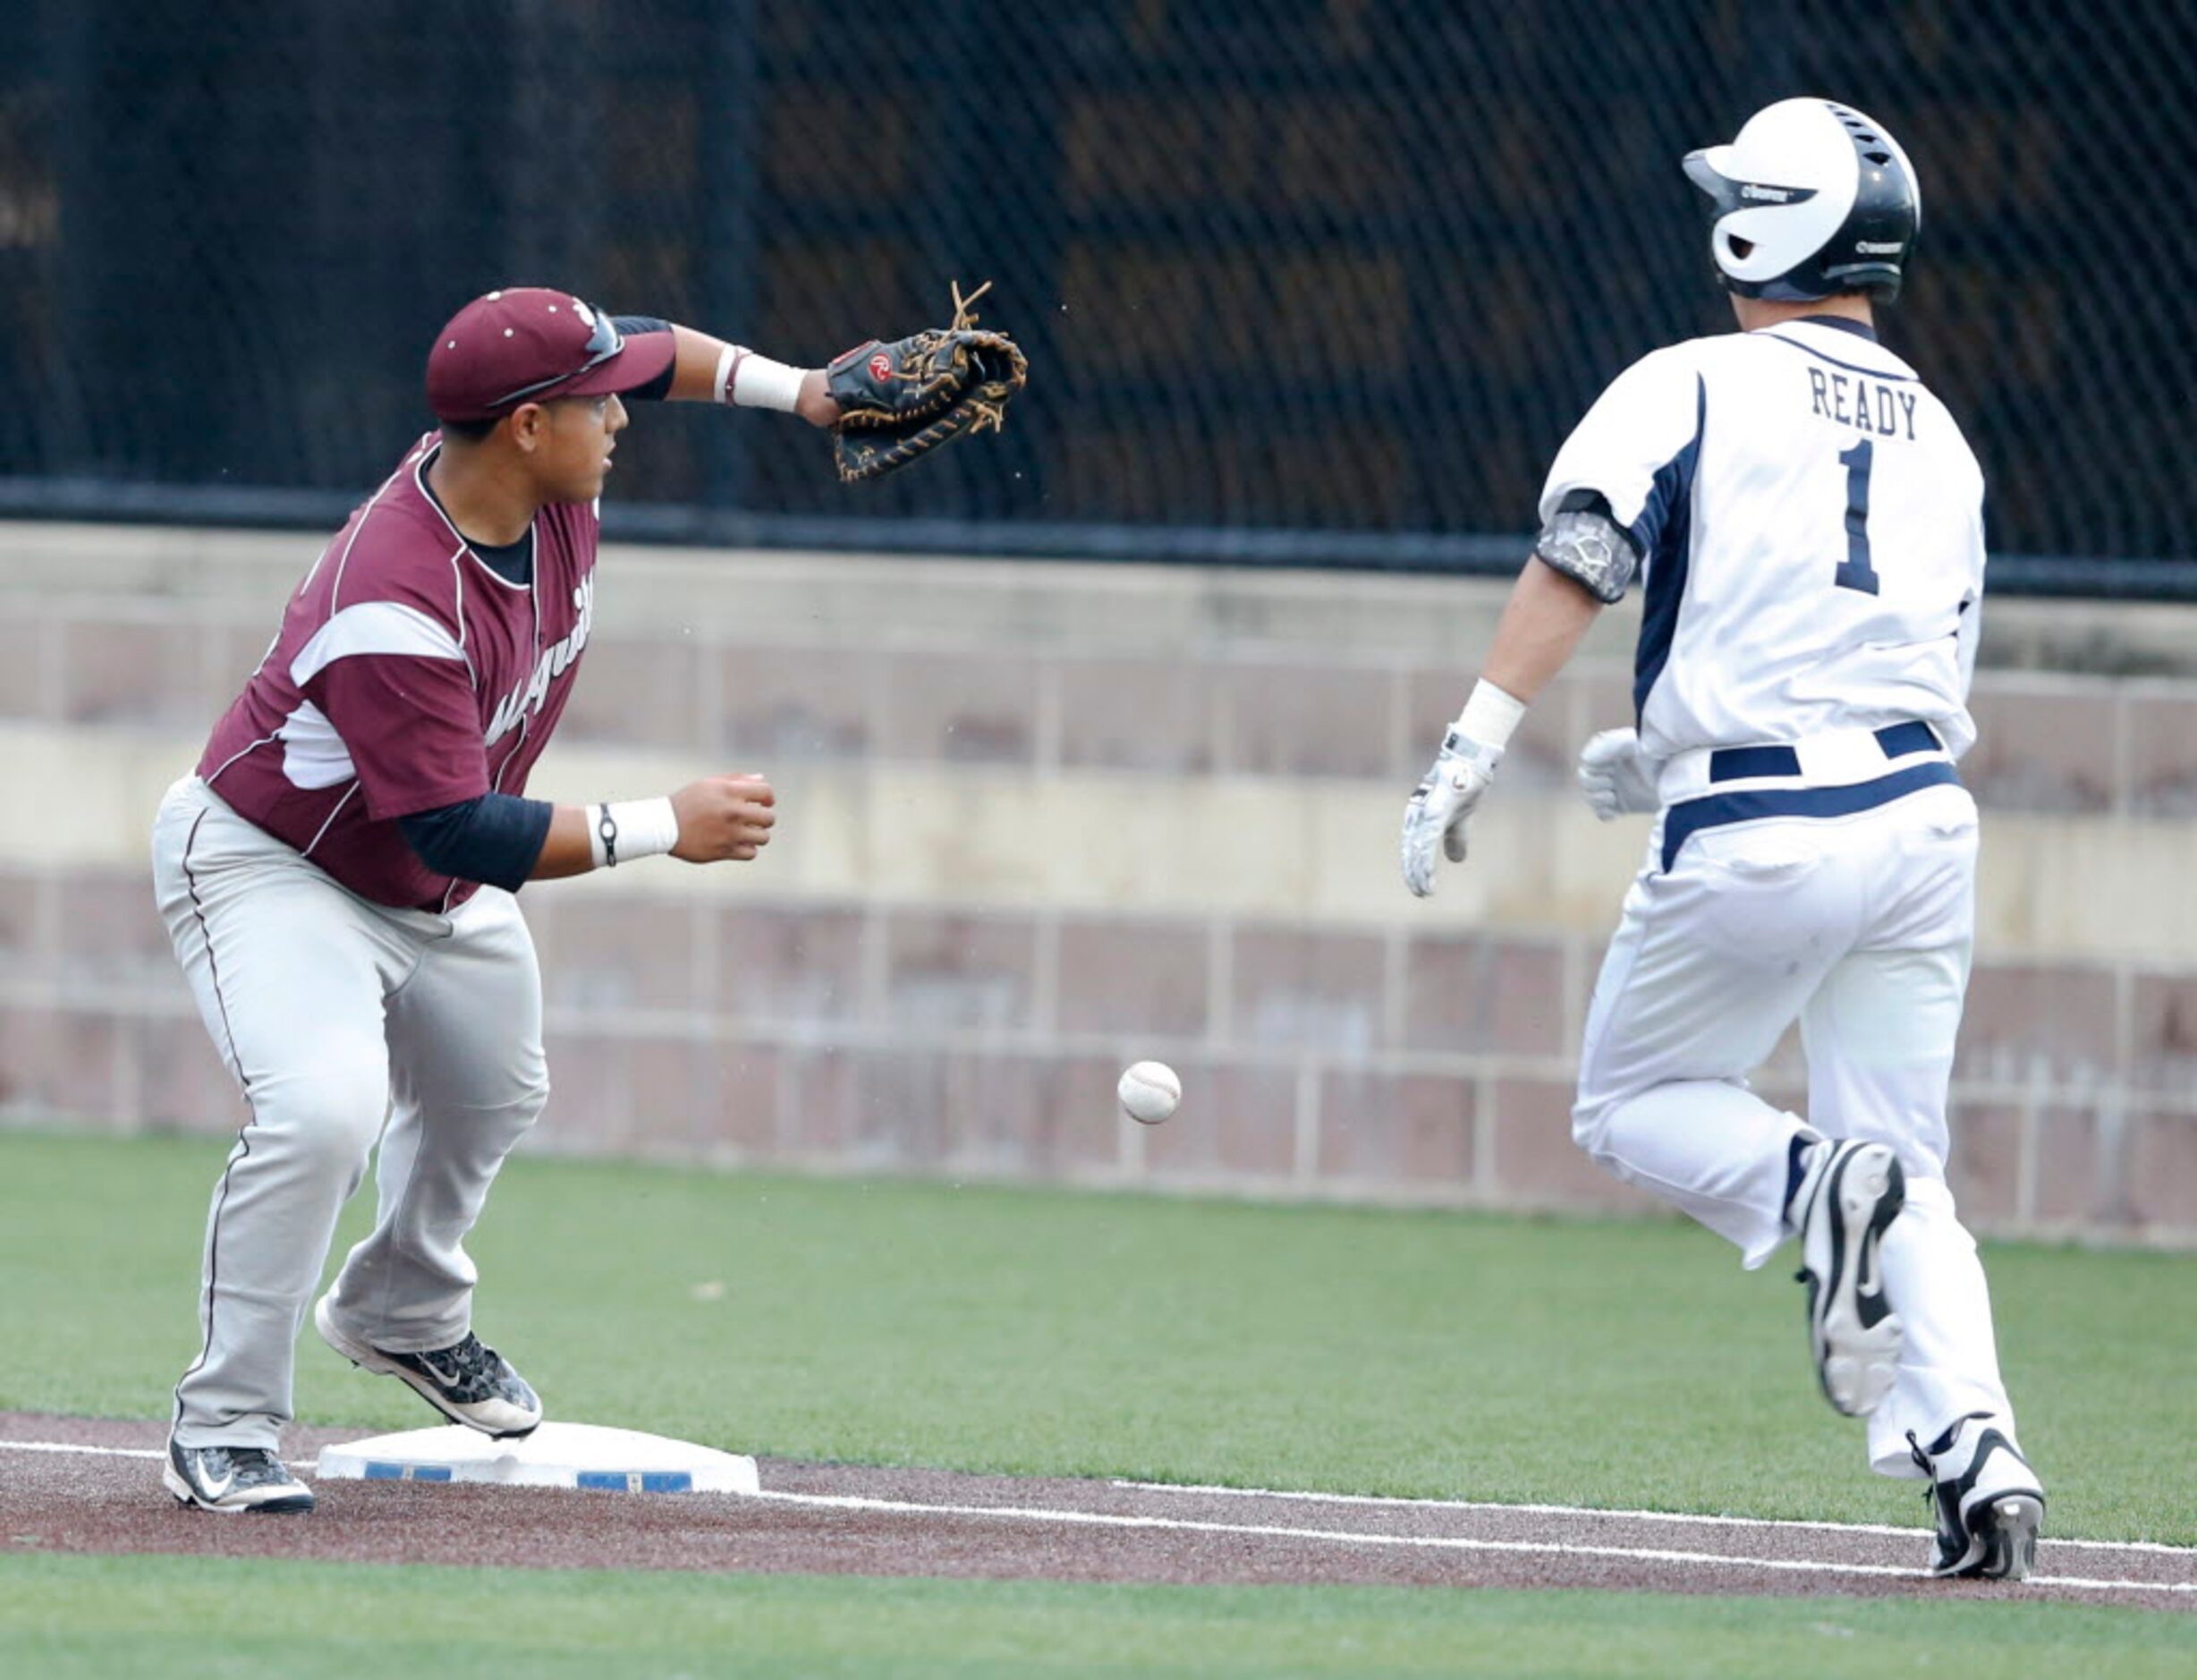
(708, 370)
(886, 404)
(717, 820)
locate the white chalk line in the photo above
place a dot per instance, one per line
(114, 1452)
(1402, 1504)
(1101, 1519)
(1430, 1542)
(96, 1452)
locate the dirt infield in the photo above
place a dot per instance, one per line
(840, 1520)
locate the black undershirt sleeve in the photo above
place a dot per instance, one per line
(1587, 502)
(496, 838)
(659, 387)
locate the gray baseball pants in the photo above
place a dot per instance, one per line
(334, 1013)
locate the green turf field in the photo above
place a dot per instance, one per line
(1472, 1356)
(329, 1621)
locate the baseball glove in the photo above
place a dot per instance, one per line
(899, 401)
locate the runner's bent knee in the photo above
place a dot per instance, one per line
(331, 1114)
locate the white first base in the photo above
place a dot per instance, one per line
(554, 1456)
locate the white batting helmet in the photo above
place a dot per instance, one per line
(1811, 197)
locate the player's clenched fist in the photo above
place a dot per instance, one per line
(1616, 779)
(723, 817)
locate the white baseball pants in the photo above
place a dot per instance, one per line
(334, 1013)
(1859, 928)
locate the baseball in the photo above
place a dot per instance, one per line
(1150, 1091)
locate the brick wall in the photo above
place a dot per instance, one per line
(1040, 821)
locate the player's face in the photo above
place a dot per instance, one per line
(578, 435)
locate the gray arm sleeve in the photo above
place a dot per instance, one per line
(1590, 548)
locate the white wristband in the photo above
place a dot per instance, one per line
(631, 828)
(1489, 716)
(758, 382)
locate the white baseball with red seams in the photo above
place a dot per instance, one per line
(1150, 1092)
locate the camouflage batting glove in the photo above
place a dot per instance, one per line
(1438, 808)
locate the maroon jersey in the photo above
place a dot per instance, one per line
(407, 675)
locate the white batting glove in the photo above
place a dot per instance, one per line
(1440, 804)
(1614, 775)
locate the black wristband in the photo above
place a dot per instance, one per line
(606, 830)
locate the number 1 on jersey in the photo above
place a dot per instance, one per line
(1855, 572)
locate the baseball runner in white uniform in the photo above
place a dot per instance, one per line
(338, 875)
(1806, 523)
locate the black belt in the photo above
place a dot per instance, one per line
(1727, 764)
(1735, 764)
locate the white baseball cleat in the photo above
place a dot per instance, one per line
(1849, 1195)
(1990, 1503)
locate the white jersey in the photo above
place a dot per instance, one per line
(1810, 521)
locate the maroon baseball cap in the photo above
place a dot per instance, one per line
(530, 344)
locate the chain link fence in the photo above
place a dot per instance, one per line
(1299, 279)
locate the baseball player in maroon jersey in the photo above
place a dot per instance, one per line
(337, 875)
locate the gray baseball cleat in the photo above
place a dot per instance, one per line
(468, 1382)
(1990, 1505)
(232, 1479)
(1849, 1195)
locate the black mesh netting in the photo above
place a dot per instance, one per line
(1313, 266)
